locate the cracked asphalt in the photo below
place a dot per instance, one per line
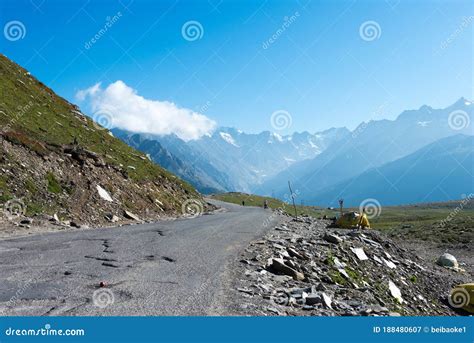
(174, 267)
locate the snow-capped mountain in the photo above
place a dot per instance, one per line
(230, 159)
(262, 163)
(371, 145)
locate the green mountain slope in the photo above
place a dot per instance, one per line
(54, 160)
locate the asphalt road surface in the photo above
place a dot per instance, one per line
(165, 268)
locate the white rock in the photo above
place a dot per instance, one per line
(327, 300)
(131, 215)
(395, 291)
(377, 259)
(104, 194)
(389, 264)
(359, 252)
(344, 273)
(338, 264)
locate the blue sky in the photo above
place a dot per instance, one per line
(318, 68)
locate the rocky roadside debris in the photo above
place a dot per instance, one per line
(302, 267)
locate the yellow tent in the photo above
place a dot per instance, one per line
(351, 219)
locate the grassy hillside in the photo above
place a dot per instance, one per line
(53, 158)
(257, 200)
(447, 223)
(35, 116)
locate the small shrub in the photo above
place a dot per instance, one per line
(53, 184)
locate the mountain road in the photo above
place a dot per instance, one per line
(175, 267)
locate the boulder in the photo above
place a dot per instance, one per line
(447, 260)
(293, 253)
(332, 238)
(278, 265)
(130, 215)
(319, 298)
(314, 298)
(112, 218)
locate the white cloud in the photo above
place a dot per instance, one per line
(91, 91)
(132, 112)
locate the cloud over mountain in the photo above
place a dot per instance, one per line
(119, 106)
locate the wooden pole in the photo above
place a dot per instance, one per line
(341, 203)
(293, 198)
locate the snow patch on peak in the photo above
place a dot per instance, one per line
(312, 145)
(424, 123)
(277, 137)
(228, 138)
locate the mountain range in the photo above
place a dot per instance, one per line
(442, 170)
(230, 159)
(320, 165)
(370, 146)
